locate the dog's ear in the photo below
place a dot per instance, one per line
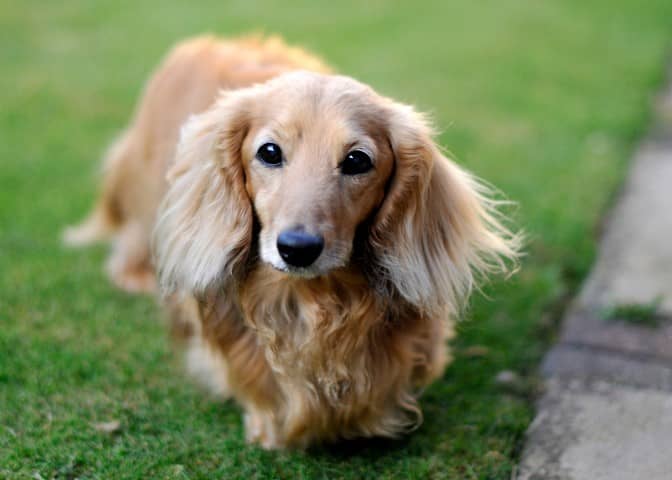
(204, 225)
(437, 230)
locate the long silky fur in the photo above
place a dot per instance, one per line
(333, 357)
(340, 355)
(439, 230)
(204, 228)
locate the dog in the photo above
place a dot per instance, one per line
(309, 240)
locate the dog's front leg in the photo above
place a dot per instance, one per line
(261, 428)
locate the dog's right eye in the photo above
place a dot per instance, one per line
(270, 155)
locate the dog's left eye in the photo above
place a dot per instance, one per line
(270, 154)
(355, 163)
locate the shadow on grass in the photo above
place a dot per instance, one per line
(365, 448)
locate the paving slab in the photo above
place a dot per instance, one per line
(600, 432)
(635, 261)
(607, 408)
(590, 328)
(567, 361)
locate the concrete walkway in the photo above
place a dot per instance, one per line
(607, 409)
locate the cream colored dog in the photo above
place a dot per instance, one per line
(310, 239)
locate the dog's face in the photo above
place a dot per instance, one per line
(316, 163)
(313, 157)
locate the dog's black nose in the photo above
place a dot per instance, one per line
(298, 248)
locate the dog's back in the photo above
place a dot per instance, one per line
(186, 83)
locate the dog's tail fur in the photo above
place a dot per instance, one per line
(107, 214)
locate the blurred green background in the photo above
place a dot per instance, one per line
(544, 99)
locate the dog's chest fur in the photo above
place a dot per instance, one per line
(317, 333)
(326, 356)
(341, 359)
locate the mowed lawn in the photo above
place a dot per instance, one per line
(545, 100)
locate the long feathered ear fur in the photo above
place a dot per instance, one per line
(204, 224)
(437, 230)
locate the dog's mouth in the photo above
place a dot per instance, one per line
(300, 272)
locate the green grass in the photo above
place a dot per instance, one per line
(543, 99)
(643, 314)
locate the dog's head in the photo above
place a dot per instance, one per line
(323, 162)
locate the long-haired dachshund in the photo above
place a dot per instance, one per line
(308, 237)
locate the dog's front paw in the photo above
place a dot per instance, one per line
(260, 428)
(141, 280)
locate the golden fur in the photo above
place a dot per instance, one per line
(337, 350)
